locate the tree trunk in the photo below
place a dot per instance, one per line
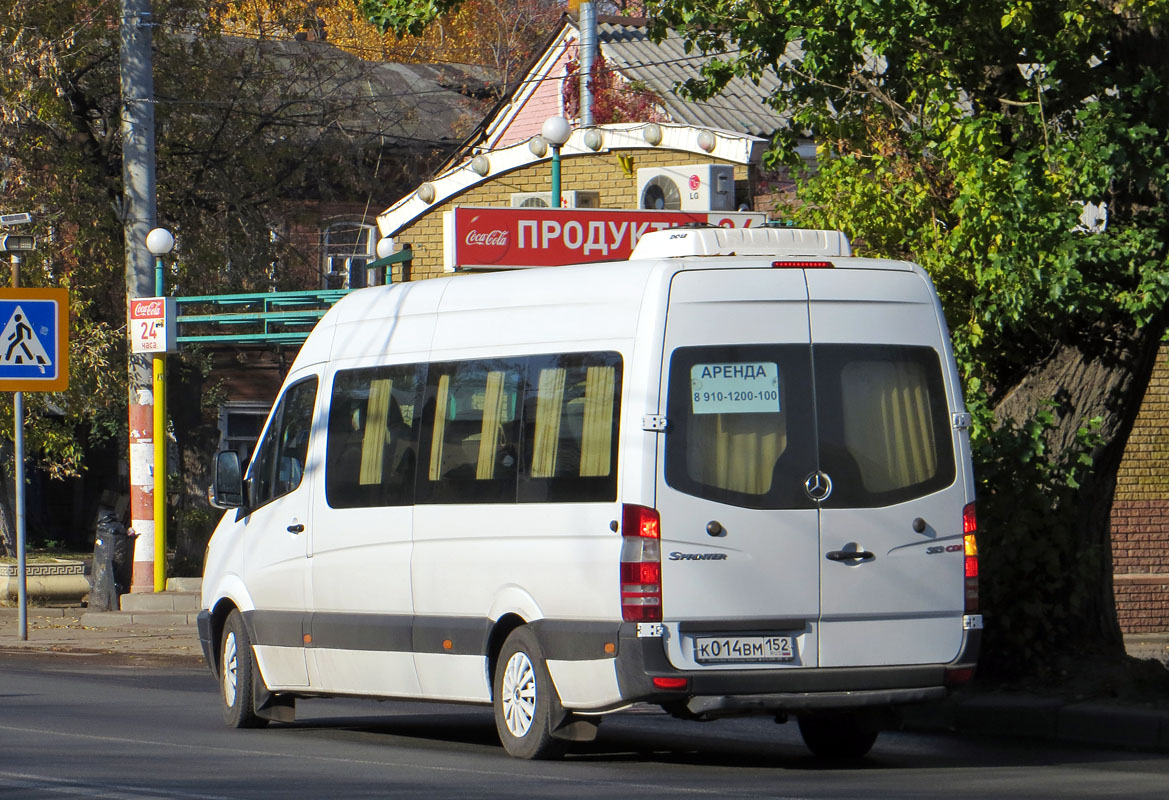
(1100, 375)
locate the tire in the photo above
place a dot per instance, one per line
(238, 675)
(524, 699)
(840, 734)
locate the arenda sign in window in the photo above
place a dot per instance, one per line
(735, 388)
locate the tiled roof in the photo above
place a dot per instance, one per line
(422, 104)
(742, 105)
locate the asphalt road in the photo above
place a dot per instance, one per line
(74, 726)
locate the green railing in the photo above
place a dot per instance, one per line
(264, 317)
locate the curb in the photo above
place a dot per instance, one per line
(1001, 714)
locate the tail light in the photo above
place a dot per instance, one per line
(641, 564)
(802, 264)
(970, 550)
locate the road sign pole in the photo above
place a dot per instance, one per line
(21, 546)
(18, 455)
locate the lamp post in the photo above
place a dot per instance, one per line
(556, 131)
(159, 242)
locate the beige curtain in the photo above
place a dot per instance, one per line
(549, 406)
(735, 452)
(597, 434)
(373, 440)
(442, 405)
(887, 423)
(493, 409)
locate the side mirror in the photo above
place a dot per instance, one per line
(228, 489)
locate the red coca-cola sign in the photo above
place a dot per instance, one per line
(534, 237)
(150, 307)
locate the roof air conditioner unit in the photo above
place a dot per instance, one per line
(573, 198)
(695, 187)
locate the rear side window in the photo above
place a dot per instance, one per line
(570, 428)
(373, 436)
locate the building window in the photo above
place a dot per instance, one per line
(239, 427)
(346, 248)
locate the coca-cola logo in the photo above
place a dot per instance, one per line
(146, 308)
(495, 238)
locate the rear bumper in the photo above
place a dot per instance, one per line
(714, 693)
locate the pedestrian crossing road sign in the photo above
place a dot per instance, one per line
(34, 340)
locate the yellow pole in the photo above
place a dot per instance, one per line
(159, 374)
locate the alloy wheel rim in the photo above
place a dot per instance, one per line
(230, 669)
(519, 695)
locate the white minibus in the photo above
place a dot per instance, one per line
(728, 476)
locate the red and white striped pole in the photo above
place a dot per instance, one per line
(142, 486)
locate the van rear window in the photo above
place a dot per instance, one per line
(749, 423)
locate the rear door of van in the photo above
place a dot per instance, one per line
(809, 436)
(891, 567)
(739, 539)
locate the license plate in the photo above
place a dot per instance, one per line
(743, 649)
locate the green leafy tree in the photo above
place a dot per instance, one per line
(1017, 150)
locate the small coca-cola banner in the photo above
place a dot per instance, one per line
(152, 325)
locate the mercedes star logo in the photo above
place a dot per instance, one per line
(818, 486)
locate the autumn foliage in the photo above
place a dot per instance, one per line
(614, 98)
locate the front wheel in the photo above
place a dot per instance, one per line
(840, 734)
(525, 701)
(237, 675)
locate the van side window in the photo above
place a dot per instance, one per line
(373, 436)
(278, 465)
(570, 428)
(472, 418)
(537, 429)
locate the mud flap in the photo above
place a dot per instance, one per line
(573, 728)
(273, 707)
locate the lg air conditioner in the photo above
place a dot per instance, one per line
(573, 198)
(695, 187)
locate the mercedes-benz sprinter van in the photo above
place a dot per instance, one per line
(730, 475)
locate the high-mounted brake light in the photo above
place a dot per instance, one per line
(970, 552)
(641, 564)
(802, 264)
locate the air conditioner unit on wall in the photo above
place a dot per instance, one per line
(573, 198)
(693, 187)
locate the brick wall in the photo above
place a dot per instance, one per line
(1140, 514)
(601, 173)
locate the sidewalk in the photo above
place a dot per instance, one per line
(1017, 714)
(63, 630)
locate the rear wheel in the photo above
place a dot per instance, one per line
(525, 702)
(237, 675)
(840, 734)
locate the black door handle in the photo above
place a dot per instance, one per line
(850, 555)
(297, 528)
